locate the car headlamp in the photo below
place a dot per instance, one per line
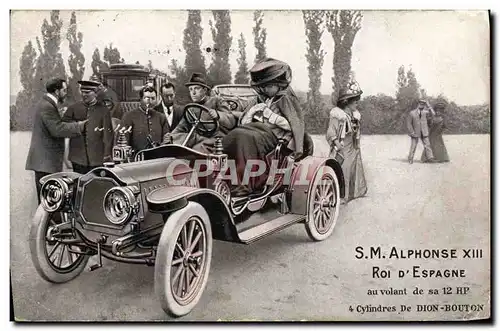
(119, 205)
(55, 193)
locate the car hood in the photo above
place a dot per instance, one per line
(142, 171)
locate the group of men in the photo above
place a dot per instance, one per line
(91, 125)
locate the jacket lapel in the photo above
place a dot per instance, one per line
(50, 101)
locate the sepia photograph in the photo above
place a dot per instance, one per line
(250, 165)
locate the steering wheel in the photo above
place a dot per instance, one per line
(197, 115)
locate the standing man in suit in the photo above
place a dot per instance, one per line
(46, 151)
(92, 149)
(172, 111)
(418, 128)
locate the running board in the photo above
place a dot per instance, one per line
(263, 230)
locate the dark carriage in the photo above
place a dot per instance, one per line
(166, 207)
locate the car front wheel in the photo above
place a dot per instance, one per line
(54, 261)
(183, 260)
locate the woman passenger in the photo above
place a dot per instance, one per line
(275, 114)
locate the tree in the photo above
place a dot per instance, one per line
(313, 21)
(179, 76)
(194, 62)
(219, 71)
(20, 113)
(112, 55)
(241, 76)
(13, 118)
(259, 35)
(97, 64)
(343, 25)
(76, 60)
(407, 96)
(50, 62)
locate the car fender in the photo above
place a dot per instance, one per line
(302, 179)
(169, 199)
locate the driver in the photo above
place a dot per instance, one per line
(218, 111)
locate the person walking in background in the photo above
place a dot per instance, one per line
(417, 125)
(436, 127)
(93, 148)
(172, 111)
(46, 150)
(343, 136)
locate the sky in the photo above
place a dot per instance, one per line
(447, 50)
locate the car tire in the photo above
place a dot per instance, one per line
(323, 204)
(52, 271)
(179, 258)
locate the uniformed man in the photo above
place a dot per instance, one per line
(144, 127)
(95, 147)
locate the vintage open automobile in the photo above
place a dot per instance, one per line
(144, 210)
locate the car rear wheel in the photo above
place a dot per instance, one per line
(54, 261)
(183, 260)
(323, 204)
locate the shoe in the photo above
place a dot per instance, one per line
(410, 161)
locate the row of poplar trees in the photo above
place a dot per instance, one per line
(36, 65)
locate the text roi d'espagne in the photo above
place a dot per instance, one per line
(417, 271)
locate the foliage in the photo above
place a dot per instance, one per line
(219, 71)
(35, 71)
(343, 25)
(178, 77)
(259, 35)
(194, 62)
(241, 76)
(76, 60)
(50, 62)
(313, 21)
(112, 55)
(97, 64)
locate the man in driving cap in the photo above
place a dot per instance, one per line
(95, 147)
(219, 111)
(417, 125)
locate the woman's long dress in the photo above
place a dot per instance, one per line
(436, 140)
(342, 126)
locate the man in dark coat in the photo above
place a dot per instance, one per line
(93, 148)
(218, 110)
(172, 111)
(46, 151)
(144, 127)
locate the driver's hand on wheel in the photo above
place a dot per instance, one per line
(213, 114)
